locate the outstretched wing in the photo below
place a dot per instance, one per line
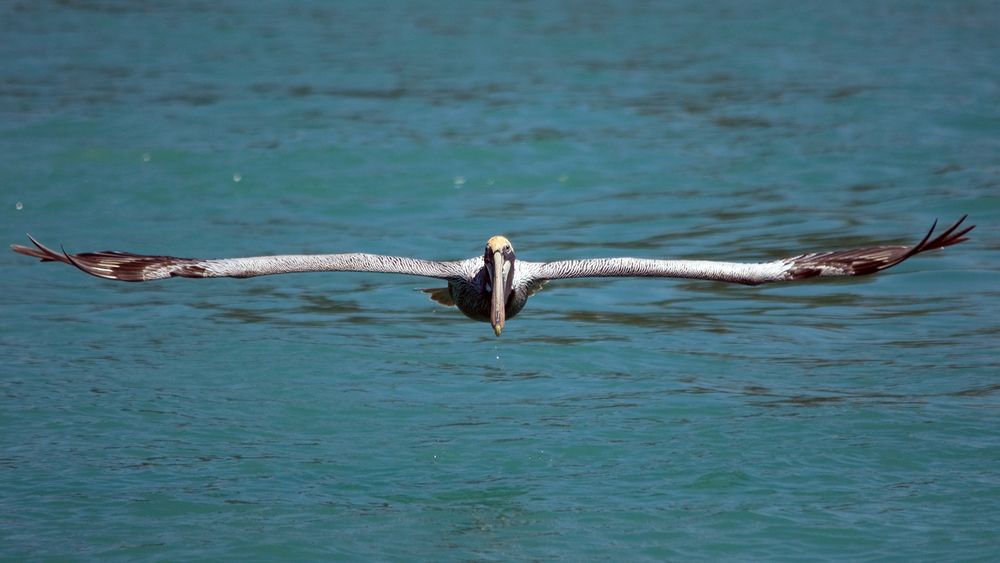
(126, 266)
(855, 262)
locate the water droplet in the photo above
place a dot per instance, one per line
(237, 177)
(146, 157)
(19, 206)
(459, 181)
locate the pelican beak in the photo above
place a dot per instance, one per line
(500, 290)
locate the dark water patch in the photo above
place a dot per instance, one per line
(571, 340)
(664, 320)
(983, 391)
(318, 304)
(192, 97)
(282, 317)
(539, 134)
(109, 7)
(657, 105)
(301, 91)
(263, 290)
(20, 91)
(361, 320)
(712, 78)
(805, 401)
(463, 423)
(919, 343)
(947, 169)
(756, 390)
(695, 107)
(844, 92)
(494, 373)
(641, 64)
(802, 400)
(743, 122)
(368, 93)
(865, 188)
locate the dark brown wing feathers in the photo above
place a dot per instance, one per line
(868, 260)
(111, 264)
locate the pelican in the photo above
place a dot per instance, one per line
(494, 287)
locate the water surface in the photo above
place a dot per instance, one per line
(346, 416)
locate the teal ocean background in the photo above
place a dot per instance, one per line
(348, 417)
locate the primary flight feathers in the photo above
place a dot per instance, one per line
(472, 283)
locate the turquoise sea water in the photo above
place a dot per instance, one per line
(346, 416)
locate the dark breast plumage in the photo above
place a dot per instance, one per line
(472, 297)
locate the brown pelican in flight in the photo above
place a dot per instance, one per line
(495, 287)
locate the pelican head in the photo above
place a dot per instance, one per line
(499, 260)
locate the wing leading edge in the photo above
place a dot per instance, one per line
(853, 262)
(126, 266)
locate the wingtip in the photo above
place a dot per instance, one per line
(15, 246)
(37, 244)
(952, 235)
(40, 251)
(929, 234)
